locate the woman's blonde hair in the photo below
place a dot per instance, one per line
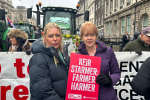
(85, 28)
(46, 29)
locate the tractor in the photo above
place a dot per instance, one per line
(65, 17)
(4, 29)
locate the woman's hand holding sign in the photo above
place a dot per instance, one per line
(104, 79)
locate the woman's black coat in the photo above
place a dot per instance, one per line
(47, 81)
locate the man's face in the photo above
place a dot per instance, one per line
(127, 33)
(146, 39)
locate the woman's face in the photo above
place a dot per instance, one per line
(53, 38)
(13, 41)
(89, 37)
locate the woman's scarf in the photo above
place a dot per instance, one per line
(60, 55)
(56, 60)
(14, 48)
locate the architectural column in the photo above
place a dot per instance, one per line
(125, 3)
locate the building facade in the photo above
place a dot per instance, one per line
(99, 16)
(16, 14)
(90, 6)
(20, 15)
(125, 15)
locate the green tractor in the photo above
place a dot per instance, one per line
(4, 29)
(27, 27)
(65, 17)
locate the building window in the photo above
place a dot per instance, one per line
(111, 6)
(107, 8)
(128, 2)
(92, 10)
(145, 21)
(102, 2)
(107, 28)
(96, 7)
(116, 27)
(110, 28)
(102, 20)
(122, 2)
(99, 4)
(116, 4)
(99, 21)
(122, 25)
(129, 24)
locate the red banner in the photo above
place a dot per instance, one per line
(83, 71)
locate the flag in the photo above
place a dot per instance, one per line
(10, 23)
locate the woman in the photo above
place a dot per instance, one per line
(109, 71)
(19, 40)
(48, 67)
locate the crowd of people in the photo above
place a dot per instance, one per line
(48, 75)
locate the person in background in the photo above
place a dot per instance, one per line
(19, 40)
(48, 66)
(100, 38)
(142, 43)
(141, 82)
(125, 39)
(136, 34)
(109, 71)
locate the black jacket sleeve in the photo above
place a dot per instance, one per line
(40, 80)
(124, 38)
(141, 82)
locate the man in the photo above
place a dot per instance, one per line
(142, 43)
(141, 82)
(136, 34)
(125, 39)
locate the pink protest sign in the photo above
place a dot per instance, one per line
(83, 71)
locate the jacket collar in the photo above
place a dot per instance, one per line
(140, 41)
(101, 47)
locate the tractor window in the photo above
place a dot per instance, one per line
(63, 19)
(23, 27)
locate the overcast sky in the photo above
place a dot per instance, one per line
(29, 3)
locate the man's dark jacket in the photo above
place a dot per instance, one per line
(47, 81)
(124, 40)
(141, 82)
(137, 44)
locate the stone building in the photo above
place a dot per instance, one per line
(7, 5)
(125, 15)
(99, 16)
(16, 14)
(90, 6)
(20, 15)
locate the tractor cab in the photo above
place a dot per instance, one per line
(64, 17)
(28, 28)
